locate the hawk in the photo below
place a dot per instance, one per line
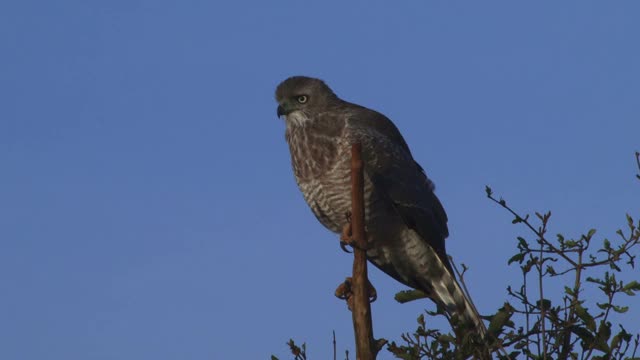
(405, 222)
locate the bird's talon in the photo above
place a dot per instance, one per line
(347, 216)
(343, 246)
(346, 237)
(346, 234)
(344, 292)
(373, 293)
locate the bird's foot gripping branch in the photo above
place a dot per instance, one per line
(344, 292)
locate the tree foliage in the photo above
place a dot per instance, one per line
(538, 322)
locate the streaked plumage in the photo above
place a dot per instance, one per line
(406, 223)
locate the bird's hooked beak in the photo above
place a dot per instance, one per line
(283, 110)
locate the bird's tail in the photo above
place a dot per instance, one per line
(463, 315)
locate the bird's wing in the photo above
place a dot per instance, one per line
(396, 175)
(389, 164)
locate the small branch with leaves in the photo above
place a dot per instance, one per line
(538, 324)
(557, 330)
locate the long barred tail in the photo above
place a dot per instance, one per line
(463, 315)
(427, 271)
(412, 261)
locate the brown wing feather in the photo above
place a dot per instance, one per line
(399, 178)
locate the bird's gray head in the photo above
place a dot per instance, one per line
(299, 97)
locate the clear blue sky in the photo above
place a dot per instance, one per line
(147, 205)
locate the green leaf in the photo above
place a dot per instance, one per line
(446, 338)
(584, 335)
(614, 266)
(561, 241)
(500, 319)
(620, 309)
(569, 291)
(522, 243)
(622, 336)
(584, 315)
(543, 304)
(604, 333)
(488, 190)
(405, 296)
(517, 257)
(631, 288)
(615, 342)
(528, 265)
(514, 354)
(571, 243)
(551, 271)
(595, 280)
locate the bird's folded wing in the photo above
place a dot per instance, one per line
(397, 177)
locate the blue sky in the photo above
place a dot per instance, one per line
(147, 205)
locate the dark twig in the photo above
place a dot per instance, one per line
(638, 163)
(527, 309)
(334, 345)
(543, 309)
(525, 221)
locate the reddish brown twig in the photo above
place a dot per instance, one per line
(361, 312)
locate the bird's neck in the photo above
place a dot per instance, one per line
(297, 119)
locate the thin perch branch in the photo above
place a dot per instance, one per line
(361, 312)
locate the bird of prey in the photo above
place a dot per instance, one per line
(405, 222)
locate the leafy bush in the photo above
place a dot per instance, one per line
(537, 324)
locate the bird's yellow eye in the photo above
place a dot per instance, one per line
(302, 99)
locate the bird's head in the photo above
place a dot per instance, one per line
(299, 97)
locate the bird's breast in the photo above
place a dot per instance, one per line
(322, 171)
(313, 152)
(321, 161)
